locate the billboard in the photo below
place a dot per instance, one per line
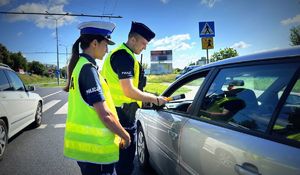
(161, 68)
(161, 55)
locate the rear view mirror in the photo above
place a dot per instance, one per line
(235, 83)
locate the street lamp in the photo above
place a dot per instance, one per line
(57, 54)
(67, 61)
(66, 52)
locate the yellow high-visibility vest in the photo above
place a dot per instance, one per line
(86, 137)
(113, 81)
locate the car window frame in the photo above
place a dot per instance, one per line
(10, 88)
(267, 134)
(11, 81)
(180, 82)
(278, 109)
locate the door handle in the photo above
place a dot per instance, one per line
(246, 169)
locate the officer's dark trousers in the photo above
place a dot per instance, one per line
(87, 168)
(125, 164)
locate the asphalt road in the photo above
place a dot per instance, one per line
(39, 151)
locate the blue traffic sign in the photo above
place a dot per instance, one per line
(207, 29)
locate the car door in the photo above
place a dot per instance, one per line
(4, 87)
(19, 105)
(164, 126)
(216, 141)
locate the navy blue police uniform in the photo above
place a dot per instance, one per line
(124, 68)
(122, 64)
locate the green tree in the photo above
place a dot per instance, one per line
(223, 54)
(5, 56)
(19, 62)
(176, 71)
(63, 72)
(36, 68)
(295, 35)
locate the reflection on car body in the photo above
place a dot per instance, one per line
(190, 136)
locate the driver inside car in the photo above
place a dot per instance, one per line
(223, 106)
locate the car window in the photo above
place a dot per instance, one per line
(288, 122)
(246, 97)
(15, 81)
(187, 90)
(4, 84)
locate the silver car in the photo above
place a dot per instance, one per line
(238, 116)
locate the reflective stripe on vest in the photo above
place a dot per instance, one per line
(113, 81)
(86, 137)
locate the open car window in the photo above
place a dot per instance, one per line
(186, 92)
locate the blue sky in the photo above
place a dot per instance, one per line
(248, 26)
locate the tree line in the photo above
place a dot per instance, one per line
(17, 61)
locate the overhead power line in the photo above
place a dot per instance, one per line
(59, 14)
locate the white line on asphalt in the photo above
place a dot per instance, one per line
(51, 94)
(63, 109)
(60, 125)
(43, 126)
(50, 104)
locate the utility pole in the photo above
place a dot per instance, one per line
(57, 72)
(67, 61)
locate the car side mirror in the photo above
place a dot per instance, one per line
(30, 88)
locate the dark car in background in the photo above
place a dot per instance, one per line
(238, 116)
(185, 70)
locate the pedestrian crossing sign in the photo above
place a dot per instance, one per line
(207, 29)
(207, 43)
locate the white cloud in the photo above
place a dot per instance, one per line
(19, 33)
(183, 60)
(209, 3)
(54, 6)
(4, 2)
(240, 45)
(175, 42)
(295, 19)
(164, 1)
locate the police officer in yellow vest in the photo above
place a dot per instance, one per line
(93, 131)
(122, 72)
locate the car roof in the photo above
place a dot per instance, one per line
(274, 54)
(4, 66)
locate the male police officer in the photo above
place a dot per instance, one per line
(124, 77)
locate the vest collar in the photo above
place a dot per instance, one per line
(89, 58)
(128, 48)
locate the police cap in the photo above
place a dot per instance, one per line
(142, 30)
(98, 28)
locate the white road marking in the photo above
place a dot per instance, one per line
(51, 94)
(50, 104)
(60, 125)
(63, 109)
(43, 126)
